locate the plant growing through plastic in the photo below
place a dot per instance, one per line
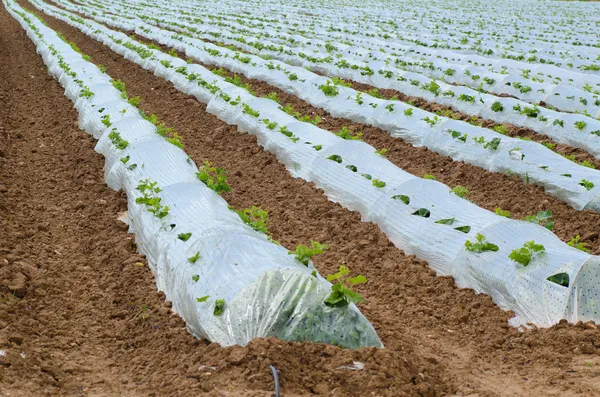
(341, 292)
(214, 178)
(527, 252)
(303, 254)
(480, 245)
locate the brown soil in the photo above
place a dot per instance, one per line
(89, 321)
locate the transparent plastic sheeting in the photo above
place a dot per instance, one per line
(532, 161)
(267, 292)
(423, 60)
(525, 290)
(546, 121)
(383, 21)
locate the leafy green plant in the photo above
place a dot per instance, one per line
(580, 125)
(345, 133)
(543, 218)
(219, 307)
(86, 93)
(134, 101)
(432, 122)
(493, 144)
(586, 184)
(150, 199)
(381, 152)
(273, 96)
(214, 178)
(116, 139)
(458, 135)
(341, 292)
(194, 258)
(250, 111)
(466, 98)
(497, 107)
(480, 245)
(342, 82)
(560, 278)
(106, 120)
(377, 183)
(576, 243)
(255, 217)
(408, 112)
(429, 176)
(501, 129)
(195, 278)
(329, 88)
(405, 199)
(184, 236)
(424, 212)
(525, 254)
(335, 157)
(303, 254)
(176, 140)
(461, 191)
(464, 229)
(284, 130)
(202, 299)
(270, 124)
(501, 212)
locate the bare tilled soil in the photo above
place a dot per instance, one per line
(79, 311)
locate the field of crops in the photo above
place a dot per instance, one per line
(256, 198)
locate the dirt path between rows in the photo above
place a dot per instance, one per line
(98, 327)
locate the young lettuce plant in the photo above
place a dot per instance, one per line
(501, 212)
(576, 243)
(329, 88)
(150, 199)
(255, 217)
(214, 178)
(525, 254)
(543, 218)
(461, 191)
(341, 292)
(345, 133)
(480, 245)
(303, 254)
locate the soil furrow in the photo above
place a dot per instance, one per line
(439, 339)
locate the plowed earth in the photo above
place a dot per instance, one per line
(79, 311)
